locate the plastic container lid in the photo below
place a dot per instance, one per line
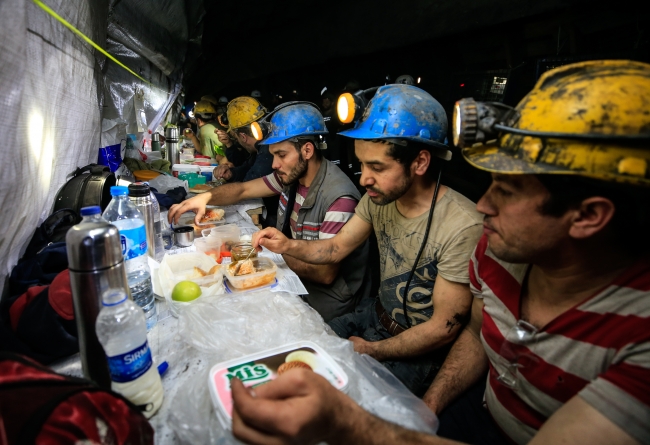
(92, 210)
(119, 190)
(187, 219)
(256, 369)
(264, 271)
(225, 230)
(145, 175)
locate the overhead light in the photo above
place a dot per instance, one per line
(419, 78)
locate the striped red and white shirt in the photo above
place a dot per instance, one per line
(336, 216)
(599, 350)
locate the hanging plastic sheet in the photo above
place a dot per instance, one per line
(62, 100)
(50, 113)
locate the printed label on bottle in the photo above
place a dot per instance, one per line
(134, 242)
(128, 367)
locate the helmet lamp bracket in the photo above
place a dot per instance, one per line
(477, 122)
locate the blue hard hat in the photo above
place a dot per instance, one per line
(292, 120)
(403, 112)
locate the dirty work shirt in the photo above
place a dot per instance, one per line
(336, 216)
(455, 231)
(208, 140)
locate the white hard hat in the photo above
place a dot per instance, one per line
(405, 79)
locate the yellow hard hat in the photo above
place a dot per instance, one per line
(589, 119)
(211, 99)
(203, 107)
(243, 111)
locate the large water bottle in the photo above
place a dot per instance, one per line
(129, 221)
(121, 329)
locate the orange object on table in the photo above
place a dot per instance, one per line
(145, 175)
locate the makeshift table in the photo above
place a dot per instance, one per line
(221, 328)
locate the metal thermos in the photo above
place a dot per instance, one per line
(172, 146)
(155, 142)
(96, 264)
(140, 196)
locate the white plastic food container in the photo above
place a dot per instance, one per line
(229, 234)
(260, 368)
(264, 275)
(189, 168)
(187, 219)
(184, 267)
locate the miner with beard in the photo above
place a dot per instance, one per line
(399, 143)
(316, 200)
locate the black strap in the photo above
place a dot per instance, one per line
(288, 210)
(94, 169)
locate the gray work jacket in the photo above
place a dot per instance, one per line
(353, 280)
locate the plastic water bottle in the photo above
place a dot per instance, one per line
(129, 221)
(122, 332)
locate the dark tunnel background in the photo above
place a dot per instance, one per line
(489, 50)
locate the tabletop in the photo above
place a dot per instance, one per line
(235, 325)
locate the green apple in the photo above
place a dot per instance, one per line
(186, 291)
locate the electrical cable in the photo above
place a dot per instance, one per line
(65, 23)
(424, 243)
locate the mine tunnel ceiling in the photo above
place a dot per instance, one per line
(250, 39)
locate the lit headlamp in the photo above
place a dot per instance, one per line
(475, 122)
(260, 129)
(350, 107)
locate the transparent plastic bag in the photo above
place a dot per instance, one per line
(164, 183)
(240, 324)
(181, 267)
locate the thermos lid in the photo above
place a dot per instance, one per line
(93, 246)
(139, 189)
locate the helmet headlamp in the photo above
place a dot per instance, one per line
(350, 106)
(260, 129)
(476, 122)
